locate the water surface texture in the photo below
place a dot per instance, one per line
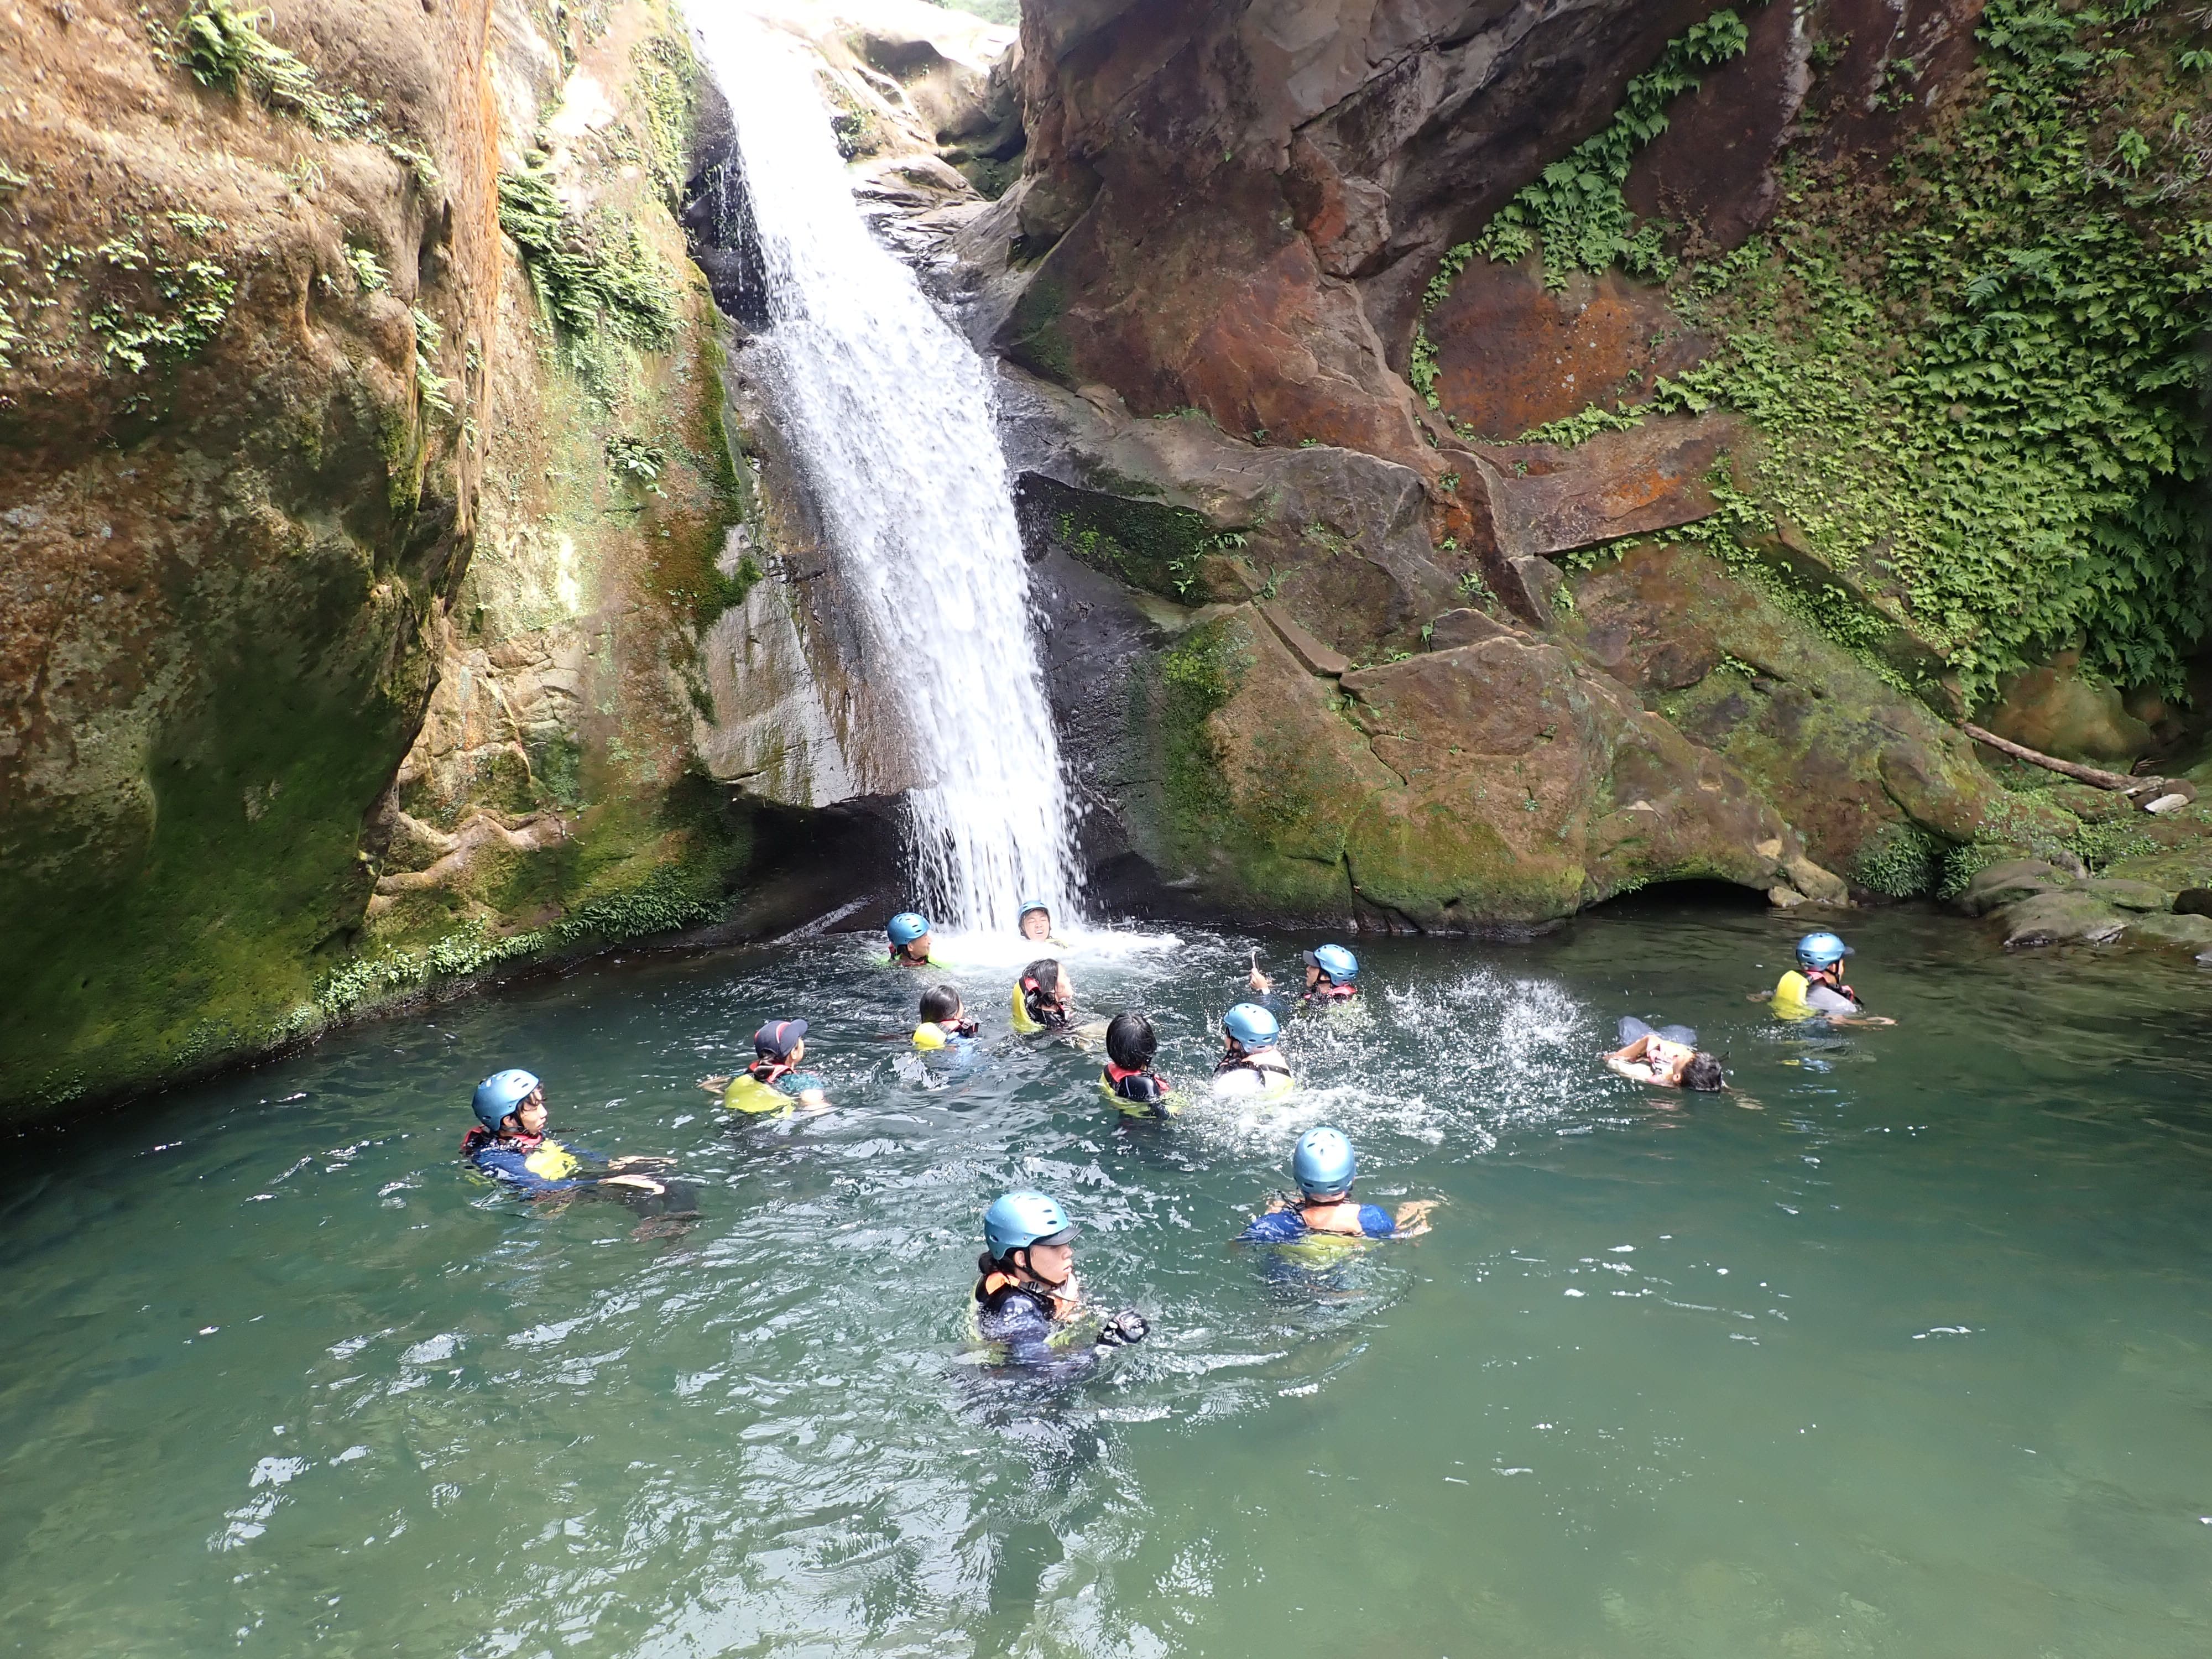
(888, 412)
(1903, 1351)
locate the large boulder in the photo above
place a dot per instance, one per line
(1839, 751)
(1497, 782)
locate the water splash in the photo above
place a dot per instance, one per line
(889, 412)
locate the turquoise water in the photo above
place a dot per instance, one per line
(1902, 1349)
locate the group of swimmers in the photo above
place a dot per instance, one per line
(1027, 1307)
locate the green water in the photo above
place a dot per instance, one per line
(1911, 1359)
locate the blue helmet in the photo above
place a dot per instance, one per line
(499, 1094)
(1324, 1164)
(906, 928)
(1251, 1025)
(1029, 905)
(1017, 1220)
(1338, 963)
(1821, 951)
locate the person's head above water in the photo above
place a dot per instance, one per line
(1332, 962)
(505, 1095)
(1324, 1165)
(1027, 1233)
(780, 1042)
(1821, 952)
(908, 932)
(1131, 1042)
(1034, 919)
(1703, 1075)
(940, 1005)
(1044, 984)
(1250, 1028)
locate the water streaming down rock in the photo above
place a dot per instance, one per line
(888, 410)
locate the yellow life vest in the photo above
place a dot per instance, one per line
(748, 1094)
(1790, 996)
(551, 1161)
(1166, 1106)
(1074, 1322)
(929, 1034)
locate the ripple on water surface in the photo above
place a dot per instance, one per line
(1899, 1348)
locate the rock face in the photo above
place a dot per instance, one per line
(1496, 782)
(242, 410)
(385, 597)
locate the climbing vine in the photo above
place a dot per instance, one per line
(587, 272)
(1978, 376)
(1575, 210)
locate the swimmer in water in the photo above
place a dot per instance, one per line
(944, 1023)
(1044, 998)
(511, 1145)
(1331, 978)
(1668, 1056)
(1137, 1088)
(1250, 1063)
(773, 1085)
(1323, 1166)
(1035, 922)
(1814, 989)
(1027, 1309)
(909, 936)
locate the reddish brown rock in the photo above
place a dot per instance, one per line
(1652, 476)
(1512, 354)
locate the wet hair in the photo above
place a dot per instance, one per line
(940, 1003)
(1045, 971)
(1131, 1042)
(1703, 1075)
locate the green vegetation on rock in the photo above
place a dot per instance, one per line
(1978, 380)
(588, 273)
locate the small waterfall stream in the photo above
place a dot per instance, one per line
(888, 410)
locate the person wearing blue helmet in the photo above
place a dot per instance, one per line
(510, 1143)
(1250, 1063)
(1323, 1166)
(1034, 920)
(1331, 980)
(908, 932)
(1815, 988)
(1027, 1309)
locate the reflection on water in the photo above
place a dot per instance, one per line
(1901, 1348)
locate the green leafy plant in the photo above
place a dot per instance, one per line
(429, 385)
(637, 462)
(587, 274)
(368, 272)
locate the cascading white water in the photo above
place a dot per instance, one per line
(888, 409)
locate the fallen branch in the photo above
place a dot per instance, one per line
(2091, 774)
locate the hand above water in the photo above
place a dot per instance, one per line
(1123, 1329)
(640, 1183)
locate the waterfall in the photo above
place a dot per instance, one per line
(888, 412)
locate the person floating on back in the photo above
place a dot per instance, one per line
(944, 1023)
(1027, 1309)
(909, 936)
(773, 1083)
(1815, 988)
(1331, 980)
(1324, 1166)
(1668, 1056)
(511, 1143)
(1136, 1088)
(1250, 1063)
(1044, 999)
(1035, 922)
